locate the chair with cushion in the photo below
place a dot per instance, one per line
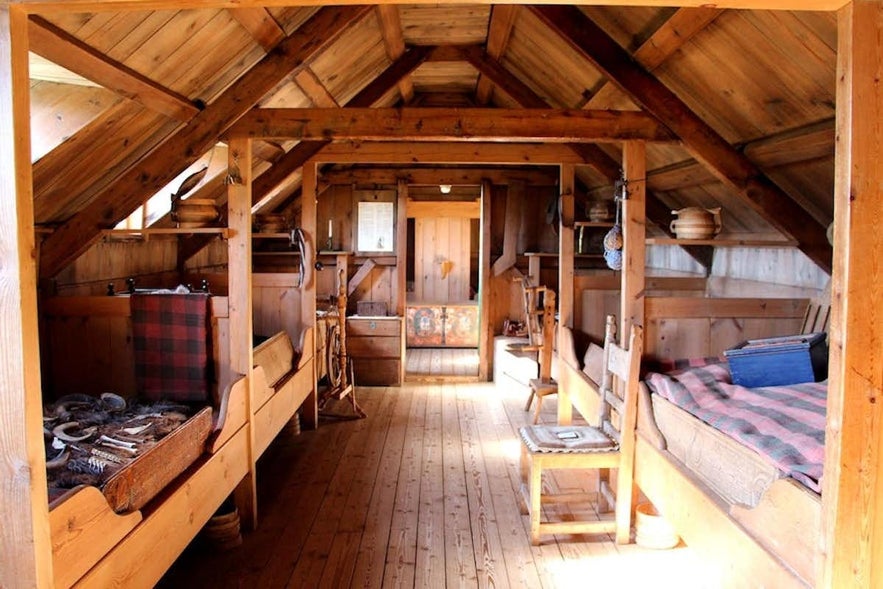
(610, 445)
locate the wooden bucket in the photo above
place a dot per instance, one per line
(652, 530)
(223, 531)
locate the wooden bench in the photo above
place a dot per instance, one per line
(283, 383)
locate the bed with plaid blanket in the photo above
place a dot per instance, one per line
(785, 424)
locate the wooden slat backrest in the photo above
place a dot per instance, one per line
(619, 383)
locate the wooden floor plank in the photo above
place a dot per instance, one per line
(422, 493)
(459, 554)
(430, 566)
(374, 543)
(401, 559)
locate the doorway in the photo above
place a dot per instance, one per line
(442, 311)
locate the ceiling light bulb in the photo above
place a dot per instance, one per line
(445, 188)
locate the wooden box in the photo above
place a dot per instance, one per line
(375, 345)
(371, 308)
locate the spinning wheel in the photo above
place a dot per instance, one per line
(332, 353)
(339, 366)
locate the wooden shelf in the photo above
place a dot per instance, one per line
(285, 236)
(542, 254)
(722, 242)
(602, 224)
(222, 231)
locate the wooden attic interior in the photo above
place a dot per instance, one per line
(746, 106)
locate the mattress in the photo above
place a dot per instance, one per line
(738, 440)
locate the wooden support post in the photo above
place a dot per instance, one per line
(514, 213)
(239, 296)
(310, 408)
(634, 223)
(565, 247)
(401, 244)
(852, 493)
(485, 333)
(25, 544)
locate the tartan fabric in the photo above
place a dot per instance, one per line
(171, 342)
(786, 424)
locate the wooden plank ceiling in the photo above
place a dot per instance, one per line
(124, 102)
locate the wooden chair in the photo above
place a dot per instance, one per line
(611, 445)
(542, 339)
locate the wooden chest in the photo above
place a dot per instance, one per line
(376, 346)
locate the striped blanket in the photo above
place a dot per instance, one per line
(786, 424)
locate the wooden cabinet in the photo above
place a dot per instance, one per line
(375, 345)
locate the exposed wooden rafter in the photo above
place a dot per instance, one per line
(499, 31)
(433, 175)
(394, 41)
(180, 150)
(732, 167)
(449, 124)
(65, 50)
(314, 89)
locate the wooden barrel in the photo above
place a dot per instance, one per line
(652, 530)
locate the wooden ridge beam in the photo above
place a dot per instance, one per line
(451, 152)
(499, 32)
(157, 169)
(394, 42)
(62, 48)
(732, 167)
(449, 124)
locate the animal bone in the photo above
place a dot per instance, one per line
(113, 402)
(59, 461)
(132, 451)
(132, 431)
(60, 432)
(116, 442)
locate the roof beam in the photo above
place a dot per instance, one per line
(731, 166)
(499, 32)
(157, 169)
(435, 175)
(314, 89)
(62, 48)
(449, 124)
(394, 41)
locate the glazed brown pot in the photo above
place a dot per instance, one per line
(696, 223)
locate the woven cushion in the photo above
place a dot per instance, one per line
(566, 439)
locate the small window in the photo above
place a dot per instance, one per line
(375, 222)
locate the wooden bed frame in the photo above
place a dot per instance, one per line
(772, 544)
(92, 546)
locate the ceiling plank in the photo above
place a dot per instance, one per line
(260, 24)
(499, 32)
(449, 124)
(62, 48)
(492, 70)
(731, 166)
(161, 166)
(394, 41)
(667, 39)
(314, 89)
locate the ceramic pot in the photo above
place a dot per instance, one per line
(194, 212)
(696, 223)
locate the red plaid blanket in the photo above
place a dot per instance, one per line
(786, 424)
(171, 341)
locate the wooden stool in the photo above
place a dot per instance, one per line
(539, 389)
